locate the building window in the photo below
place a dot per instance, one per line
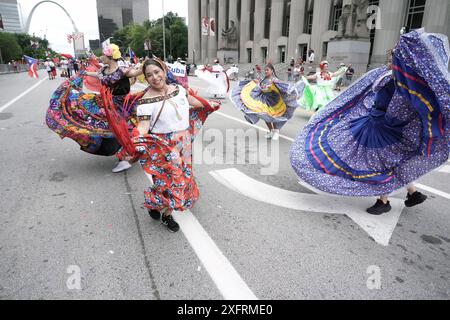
(282, 50)
(415, 13)
(264, 53)
(303, 51)
(268, 17)
(309, 14)
(287, 18)
(252, 20)
(249, 55)
(336, 12)
(309, 22)
(325, 50)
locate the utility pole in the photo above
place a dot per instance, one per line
(164, 31)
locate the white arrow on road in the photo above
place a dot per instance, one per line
(379, 228)
(445, 169)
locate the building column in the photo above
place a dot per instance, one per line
(204, 13)
(212, 41)
(260, 21)
(222, 21)
(194, 31)
(321, 19)
(244, 28)
(437, 17)
(233, 13)
(392, 20)
(296, 26)
(276, 29)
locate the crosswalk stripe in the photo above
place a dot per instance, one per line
(432, 190)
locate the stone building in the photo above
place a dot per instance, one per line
(281, 29)
(116, 14)
(10, 16)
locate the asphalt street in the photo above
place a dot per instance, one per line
(62, 210)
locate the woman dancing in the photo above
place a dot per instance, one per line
(271, 100)
(168, 120)
(386, 131)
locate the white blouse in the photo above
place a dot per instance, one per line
(173, 118)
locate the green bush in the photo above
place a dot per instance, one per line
(11, 50)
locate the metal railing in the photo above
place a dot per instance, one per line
(7, 68)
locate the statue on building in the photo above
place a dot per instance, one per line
(361, 30)
(345, 27)
(230, 37)
(353, 21)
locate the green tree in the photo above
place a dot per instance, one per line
(134, 36)
(34, 46)
(9, 47)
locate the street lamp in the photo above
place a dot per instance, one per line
(164, 31)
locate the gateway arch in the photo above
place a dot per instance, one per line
(27, 27)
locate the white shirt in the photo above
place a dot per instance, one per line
(173, 118)
(312, 57)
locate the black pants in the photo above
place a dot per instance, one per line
(108, 147)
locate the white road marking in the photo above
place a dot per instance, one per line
(226, 278)
(249, 124)
(438, 192)
(445, 169)
(380, 228)
(4, 107)
(432, 190)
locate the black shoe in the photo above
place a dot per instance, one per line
(170, 223)
(379, 208)
(415, 199)
(155, 214)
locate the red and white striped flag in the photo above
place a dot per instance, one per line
(32, 66)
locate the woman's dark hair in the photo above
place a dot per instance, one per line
(157, 63)
(152, 62)
(271, 67)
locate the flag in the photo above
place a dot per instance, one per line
(205, 26)
(32, 66)
(133, 56)
(212, 27)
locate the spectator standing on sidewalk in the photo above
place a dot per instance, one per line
(349, 74)
(311, 56)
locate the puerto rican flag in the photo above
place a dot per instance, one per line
(32, 66)
(133, 56)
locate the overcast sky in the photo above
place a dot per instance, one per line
(51, 20)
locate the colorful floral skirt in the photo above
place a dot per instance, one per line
(275, 104)
(168, 159)
(385, 131)
(81, 117)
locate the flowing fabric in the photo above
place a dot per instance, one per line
(387, 130)
(317, 96)
(217, 79)
(167, 158)
(270, 100)
(81, 117)
(93, 83)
